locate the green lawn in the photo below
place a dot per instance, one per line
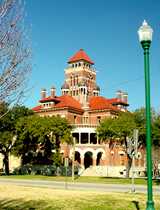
(102, 180)
(14, 197)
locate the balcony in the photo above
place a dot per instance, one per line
(85, 125)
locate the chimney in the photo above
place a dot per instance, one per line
(43, 93)
(125, 97)
(53, 91)
(119, 94)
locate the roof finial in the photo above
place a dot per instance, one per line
(145, 23)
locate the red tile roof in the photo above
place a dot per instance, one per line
(68, 101)
(95, 103)
(49, 98)
(61, 102)
(80, 55)
(36, 108)
(99, 103)
(117, 101)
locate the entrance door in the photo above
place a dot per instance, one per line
(88, 159)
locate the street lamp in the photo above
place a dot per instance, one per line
(145, 37)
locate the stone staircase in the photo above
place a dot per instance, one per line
(104, 171)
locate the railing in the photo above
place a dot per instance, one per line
(80, 67)
(85, 125)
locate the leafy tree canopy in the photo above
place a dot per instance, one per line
(119, 127)
(8, 129)
(39, 136)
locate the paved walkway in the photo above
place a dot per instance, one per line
(79, 186)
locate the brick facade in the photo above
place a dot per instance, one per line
(83, 106)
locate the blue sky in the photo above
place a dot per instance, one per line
(107, 31)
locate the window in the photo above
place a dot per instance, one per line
(75, 117)
(85, 120)
(98, 119)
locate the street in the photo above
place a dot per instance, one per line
(78, 186)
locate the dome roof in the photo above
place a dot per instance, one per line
(53, 87)
(65, 86)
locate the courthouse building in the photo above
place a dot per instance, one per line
(81, 103)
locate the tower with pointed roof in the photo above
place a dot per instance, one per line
(80, 78)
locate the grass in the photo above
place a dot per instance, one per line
(14, 197)
(101, 180)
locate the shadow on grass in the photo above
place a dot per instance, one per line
(20, 204)
(157, 181)
(136, 203)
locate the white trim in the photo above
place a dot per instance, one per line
(121, 153)
(84, 130)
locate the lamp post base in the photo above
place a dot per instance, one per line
(150, 205)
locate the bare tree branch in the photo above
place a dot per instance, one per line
(15, 52)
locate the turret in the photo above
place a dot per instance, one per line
(96, 90)
(65, 89)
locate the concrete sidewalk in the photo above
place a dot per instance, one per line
(79, 185)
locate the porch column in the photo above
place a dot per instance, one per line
(79, 138)
(94, 159)
(97, 138)
(82, 160)
(89, 140)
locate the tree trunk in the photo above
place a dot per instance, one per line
(129, 158)
(129, 164)
(57, 144)
(6, 163)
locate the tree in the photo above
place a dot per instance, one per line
(8, 130)
(156, 131)
(140, 120)
(156, 145)
(122, 127)
(15, 52)
(119, 129)
(38, 136)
